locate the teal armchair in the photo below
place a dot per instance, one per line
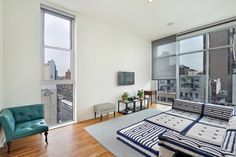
(19, 122)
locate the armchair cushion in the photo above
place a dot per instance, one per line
(28, 113)
(33, 127)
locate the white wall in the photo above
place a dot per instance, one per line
(1, 54)
(102, 51)
(22, 52)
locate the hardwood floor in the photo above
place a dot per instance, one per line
(68, 141)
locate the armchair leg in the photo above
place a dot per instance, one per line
(46, 137)
(9, 147)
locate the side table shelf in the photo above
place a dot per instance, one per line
(131, 106)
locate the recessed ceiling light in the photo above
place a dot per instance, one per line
(150, 1)
(170, 23)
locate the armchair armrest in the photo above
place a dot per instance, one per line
(7, 123)
(191, 146)
(28, 113)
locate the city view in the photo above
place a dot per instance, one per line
(58, 98)
(192, 71)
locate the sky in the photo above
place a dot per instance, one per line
(194, 61)
(57, 34)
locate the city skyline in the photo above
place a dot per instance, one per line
(51, 72)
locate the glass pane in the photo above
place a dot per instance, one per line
(56, 31)
(192, 80)
(164, 68)
(222, 77)
(166, 91)
(56, 65)
(165, 50)
(192, 44)
(220, 38)
(58, 101)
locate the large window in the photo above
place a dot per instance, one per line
(205, 66)
(221, 67)
(164, 69)
(192, 77)
(57, 66)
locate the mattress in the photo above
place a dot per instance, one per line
(142, 136)
(214, 121)
(172, 122)
(205, 133)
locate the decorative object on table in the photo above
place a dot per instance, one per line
(140, 94)
(23, 121)
(104, 108)
(125, 96)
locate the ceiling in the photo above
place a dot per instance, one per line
(150, 20)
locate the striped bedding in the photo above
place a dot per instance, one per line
(217, 111)
(189, 106)
(213, 135)
(143, 137)
(194, 147)
(193, 128)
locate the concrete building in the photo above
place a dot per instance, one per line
(192, 87)
(50, 70)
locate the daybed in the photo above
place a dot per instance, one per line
(193, 128)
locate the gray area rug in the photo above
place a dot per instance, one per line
(105, 132)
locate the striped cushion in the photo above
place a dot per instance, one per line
(233, 113)
(190, 106)
(229, 142)
(222, 112)
(191, 146)
(232, 123)
(214, 121)
(143, 136)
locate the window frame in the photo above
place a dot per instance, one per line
(62, 14)
(206, 51)
(71, 50)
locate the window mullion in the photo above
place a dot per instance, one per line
(207, 67)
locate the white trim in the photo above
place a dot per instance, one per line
(54, 10)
